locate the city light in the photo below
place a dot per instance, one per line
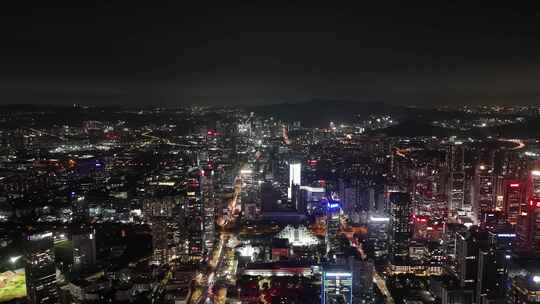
(14, 259)
(314, 197)
(506, 235)
(40, 236)
(338, 274)
(333, 205)
(312, 189)
(379, 219)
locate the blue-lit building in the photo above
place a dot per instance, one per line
(333, 212)
(337, 286)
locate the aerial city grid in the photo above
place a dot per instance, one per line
(227, 155)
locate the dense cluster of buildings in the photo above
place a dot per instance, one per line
(211, 205)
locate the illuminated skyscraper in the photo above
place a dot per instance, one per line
(400, 231)
(455, 156)
(528, 232)
(195, 228)
(295, 176)
(161, 245)
(309, 196)
(41, 287)
(491, 275)
(484, 197)
(84, 247)
(378, 234)
(467, 247)
(456, 195)
(333, 212)
(209, 230)
(159, 207)
(337, 285)
(456, 183)
(514, 200)
(533, 184)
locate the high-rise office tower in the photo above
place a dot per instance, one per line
(350, 191)
(168, 228)
(269, 197)
(195, 228)
(309, 196)
(159, 207)
(455, 158)
(161, 241)
(295, 176)
(41, 287)
(533, 184)
(514, 200)
(333, 211)
(378, 235)
(491, 275)
(456, 192)
(81, 211)
(484, 197)
(209, 220)
(527, 230)
(84, 247)
(468, 244)
(400, 231)
(337, 285)
(362, 279)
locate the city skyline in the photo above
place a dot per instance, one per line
(187, 153)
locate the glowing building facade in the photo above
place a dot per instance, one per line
(295, 176)
(528, 231)
(333, 213)
(41, 287)
(514, 200)
(484, 196)
(337, 286)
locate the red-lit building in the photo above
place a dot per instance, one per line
(419, 226)
(528, 227)
(280, 249)
(514, 200)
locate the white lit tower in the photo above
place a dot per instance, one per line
(484, 196)
(295, 176)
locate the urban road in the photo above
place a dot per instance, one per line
(217, 263)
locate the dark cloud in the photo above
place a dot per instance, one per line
(179, 53)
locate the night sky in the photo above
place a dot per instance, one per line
(180, 54)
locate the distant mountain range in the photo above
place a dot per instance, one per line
(414, 121)
(319, 112)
